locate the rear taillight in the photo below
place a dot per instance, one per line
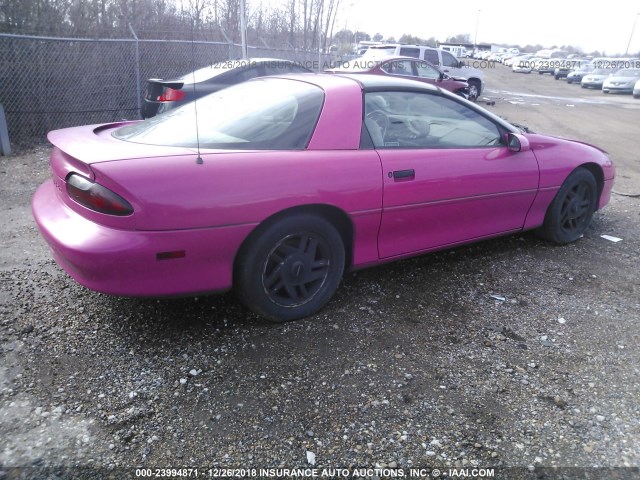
(171, 95)
(96, 197)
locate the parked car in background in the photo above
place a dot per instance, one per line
(521, 66)
(548, 65)
(442, 59)
(517, 58)
(596, 78)
(410, 68)
(636, 90)
(566, 66)
(575, 76)
(296, 180)
(623, 81)
(162, 95)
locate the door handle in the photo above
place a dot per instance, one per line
(404, 174)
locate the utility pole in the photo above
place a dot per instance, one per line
(243, 30)
(633, 29)
(475, 39)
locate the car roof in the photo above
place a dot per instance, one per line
(379, 82)
(366, 81)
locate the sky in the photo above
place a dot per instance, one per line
(591, 26)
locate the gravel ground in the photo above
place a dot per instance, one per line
(507, 353)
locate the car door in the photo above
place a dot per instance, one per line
(448, 176)
(451, 65)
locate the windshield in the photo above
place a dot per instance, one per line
(628, 73)
(265, 114)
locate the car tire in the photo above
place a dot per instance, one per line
(556, 77)
(636, 95)
(569, 81)
(572, 208)
(474, 90)
(290, 268)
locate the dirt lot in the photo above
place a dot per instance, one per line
(413, 364)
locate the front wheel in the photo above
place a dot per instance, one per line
(474, 90)
(572, 209)
(291, 268)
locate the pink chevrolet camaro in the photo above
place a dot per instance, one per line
(278, 185)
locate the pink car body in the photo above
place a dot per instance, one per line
(190, 220)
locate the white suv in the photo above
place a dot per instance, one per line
(436, 56)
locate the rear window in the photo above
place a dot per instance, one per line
(378, 52)
(207, 73)
(264, 114)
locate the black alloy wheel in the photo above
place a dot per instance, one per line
(572, 209)
(290, 269)
(296, 269)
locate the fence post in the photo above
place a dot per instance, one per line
(5, 147)
(138, 93)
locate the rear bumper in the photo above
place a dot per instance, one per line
(124, 262)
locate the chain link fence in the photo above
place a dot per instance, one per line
(48, 83)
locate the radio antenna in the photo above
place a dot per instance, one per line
(199, 160)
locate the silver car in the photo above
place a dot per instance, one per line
(596, 78)
(622, 81)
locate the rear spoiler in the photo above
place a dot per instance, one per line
(166, 83)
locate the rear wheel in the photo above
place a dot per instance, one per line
(572, 209)
(291, 268)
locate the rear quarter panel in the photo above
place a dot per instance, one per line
(245, 188)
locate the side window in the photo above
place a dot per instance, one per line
(431, 56)
(427, 71)
(398, 67)
(425, 120)
(410, 52)
(449, 60)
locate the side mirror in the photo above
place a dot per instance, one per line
(517, 142)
